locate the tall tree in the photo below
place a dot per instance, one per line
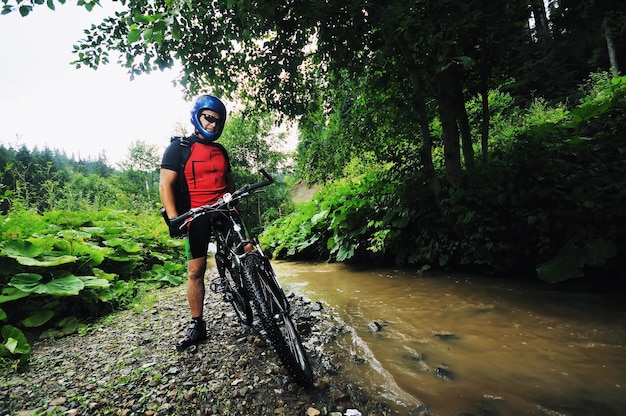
(140, 168)
(586, 36)
(541, 25)
(269, 51)
(277, 53)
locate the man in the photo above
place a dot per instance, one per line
(206, 176)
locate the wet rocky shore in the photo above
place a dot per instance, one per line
(126, 364)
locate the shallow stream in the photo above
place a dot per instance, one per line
(485, 346)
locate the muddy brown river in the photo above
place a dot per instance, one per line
(454, 343)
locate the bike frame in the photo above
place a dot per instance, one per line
(247, 277)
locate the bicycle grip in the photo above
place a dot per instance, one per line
(177, 222)
(267, 176)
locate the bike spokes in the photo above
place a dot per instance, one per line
(268, 298)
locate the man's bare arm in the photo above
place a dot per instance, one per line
(167, 180)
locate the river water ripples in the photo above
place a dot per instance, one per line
(485, 346)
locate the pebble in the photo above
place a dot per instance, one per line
(58, 401)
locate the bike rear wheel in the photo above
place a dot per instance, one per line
(273, 313)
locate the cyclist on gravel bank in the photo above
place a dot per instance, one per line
(196, 171)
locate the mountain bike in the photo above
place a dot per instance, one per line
(245, 277)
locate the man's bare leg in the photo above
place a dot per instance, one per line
(196, 332)
(195, 286)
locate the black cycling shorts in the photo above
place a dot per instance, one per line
(199, 234)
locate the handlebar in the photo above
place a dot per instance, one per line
(242, 192)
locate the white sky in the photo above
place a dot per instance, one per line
(45, 101)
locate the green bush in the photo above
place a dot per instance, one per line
(548, 201)
(62, 268)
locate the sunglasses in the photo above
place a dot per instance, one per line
(210, 118)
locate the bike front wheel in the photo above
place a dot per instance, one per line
(273, 313)
(234, 292)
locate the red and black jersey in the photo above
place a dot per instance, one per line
(202, 168)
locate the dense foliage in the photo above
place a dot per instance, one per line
(78, 239)
(442, 133)
(81, 239)
(549, 201)
(62, 267)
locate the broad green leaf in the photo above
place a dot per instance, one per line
(345, 253)
(160, 256)
(165, 273)
(566, 265)
(14, 340)
(72, 235)
(134, 35)
(119, 257)
(563, 267)
(317, 217)
(46, 260)
(93, 230)
(24, 10)
(173, 267)
(571, 259)
(64, 246)
(69, 325)
(39, 318)
(28, 282)
(31, 253)
(11, 344)
(129, 247)
(92, 282)
(22, 248)
(173, 280)
(176, 30)
(100, 274)
(66, 285)
(12, 293)
(3, 315)
(82, 249)
(598, 251)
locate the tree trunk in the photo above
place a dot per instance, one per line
(542, 29)
(615, 71)
(464, 127)
(447, 84)
(486, 117)
(484, 125)
(484, 71)
(422, 118)
(426, 149)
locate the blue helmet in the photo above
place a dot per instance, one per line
(208, 102)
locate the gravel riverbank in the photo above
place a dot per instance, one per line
(126, 364)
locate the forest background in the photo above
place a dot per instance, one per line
(464, 135)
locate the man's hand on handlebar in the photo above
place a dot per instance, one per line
(177, 231)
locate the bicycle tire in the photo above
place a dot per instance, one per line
(273, 313)
(234, 292)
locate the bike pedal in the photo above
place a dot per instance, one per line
(228, 297)
(217, 285)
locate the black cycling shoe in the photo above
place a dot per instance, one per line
(196, 333)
